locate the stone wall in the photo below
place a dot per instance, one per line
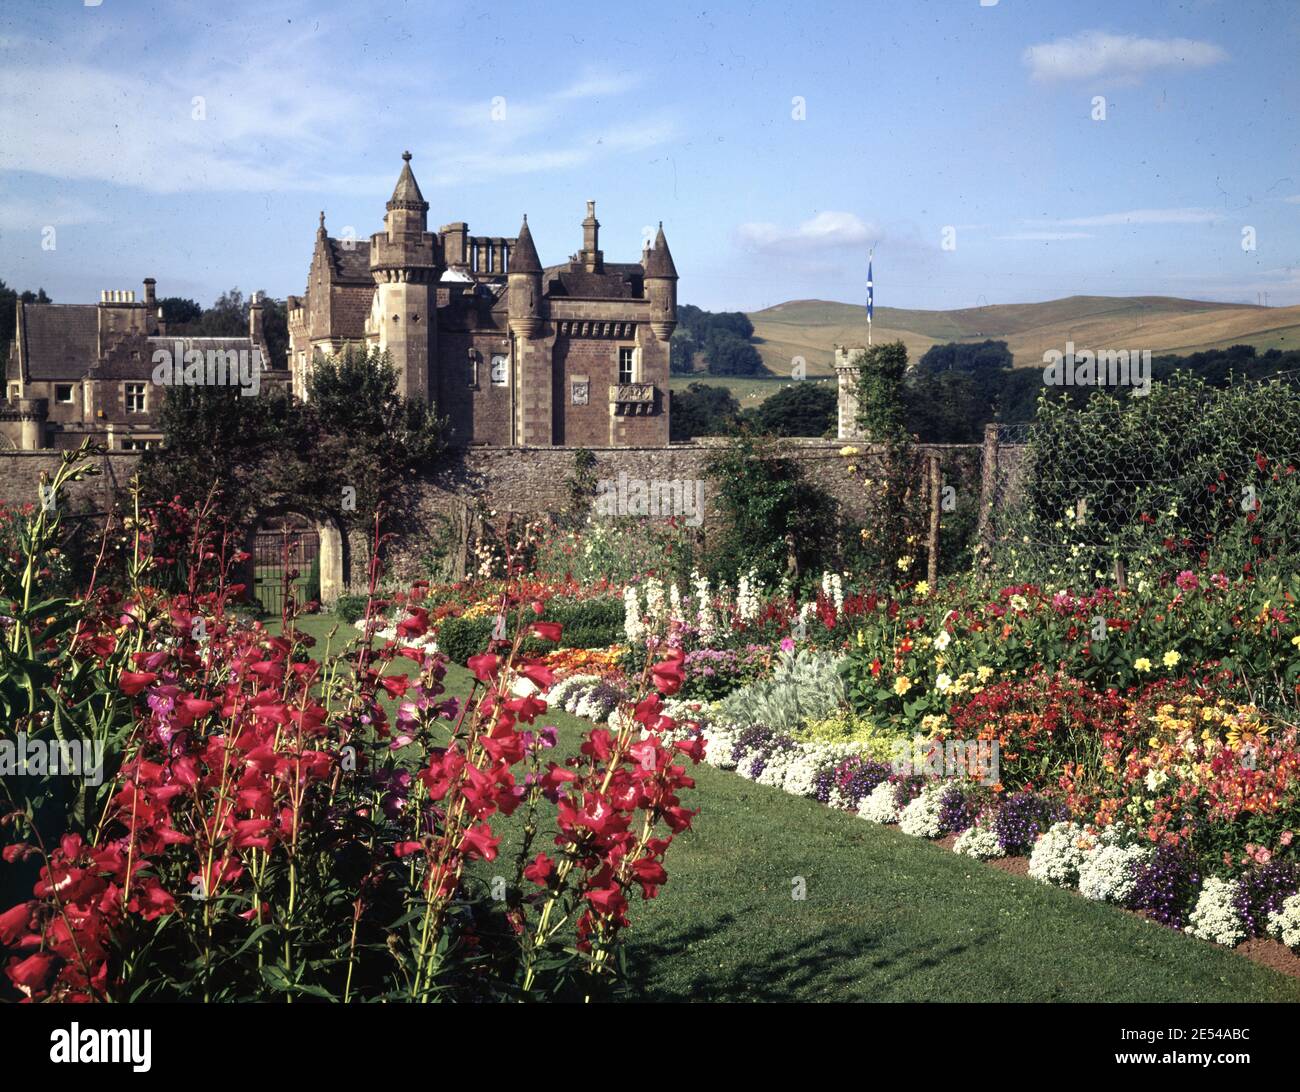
(449, 503)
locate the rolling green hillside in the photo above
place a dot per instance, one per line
(810, 328)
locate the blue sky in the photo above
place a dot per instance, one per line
(918, 117)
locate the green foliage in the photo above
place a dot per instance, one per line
(776, 522)
(1185, 475)
(804, 686)
(618, 551)
(588, 623)
(582, 486)
(729, 355)
(351, 607)
(703, 409)
(805, 408)
(881, 411)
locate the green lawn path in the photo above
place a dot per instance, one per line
(884, 917)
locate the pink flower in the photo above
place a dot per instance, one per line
(1187, 580)
(787, 645)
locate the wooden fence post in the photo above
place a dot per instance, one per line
(936, 491)
(988, 490)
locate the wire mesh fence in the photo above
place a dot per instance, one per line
(1187, 475)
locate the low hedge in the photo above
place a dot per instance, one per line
(588, 623)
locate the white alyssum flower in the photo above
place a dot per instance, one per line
(980, 842)
(881, 806)
(1284, 924)
(1215, 916)
(1058, 853)
(1108, 873)
(675, 605)
(920, 818)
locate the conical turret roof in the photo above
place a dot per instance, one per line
(523, 256)
(659, 263)
(407, 190)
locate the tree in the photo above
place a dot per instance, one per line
(729, 355)
(681, 353)
(179, 312)
(804, 408)
(881, 408)
(365, 436)
(702, 410)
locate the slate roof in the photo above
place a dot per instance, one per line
(60, 340)
(350, 264)
(621, 280)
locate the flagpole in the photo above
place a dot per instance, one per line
(870, 294)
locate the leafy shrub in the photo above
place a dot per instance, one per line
(805, 686)
(350, 607)
(588, 623)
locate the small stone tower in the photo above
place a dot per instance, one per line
(524, 280)
(846, 375)
(404, 261)
(661, 287)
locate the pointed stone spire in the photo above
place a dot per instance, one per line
(660, 260)
(406, 194)
(523, 258)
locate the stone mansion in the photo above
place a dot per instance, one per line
(512, 353)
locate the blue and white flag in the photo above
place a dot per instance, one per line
(871, 293)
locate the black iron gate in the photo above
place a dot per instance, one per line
(286, 559)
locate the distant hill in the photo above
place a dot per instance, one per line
(810, 328)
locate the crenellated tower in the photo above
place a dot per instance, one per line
(405, 263)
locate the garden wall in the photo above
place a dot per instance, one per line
(533, 482)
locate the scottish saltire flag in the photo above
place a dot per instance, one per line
(871, 293)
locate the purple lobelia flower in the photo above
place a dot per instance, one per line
(1262, 891)
(1165, 885)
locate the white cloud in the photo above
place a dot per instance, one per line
(276, 119)
(1144, 216)
(25, 214)
(1294, 199)
(825, 231)
(1125, 58)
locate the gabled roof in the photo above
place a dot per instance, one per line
(350, 262)
(59, 340)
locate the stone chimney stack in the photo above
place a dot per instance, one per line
(150, 297)
(255, 318)
(591, 258)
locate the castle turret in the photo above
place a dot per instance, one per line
(404, 263)
(525, 286)
(661, 287)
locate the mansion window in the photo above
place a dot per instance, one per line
(626, 358)
(135, 398)
(63, 393)
(136, 445)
